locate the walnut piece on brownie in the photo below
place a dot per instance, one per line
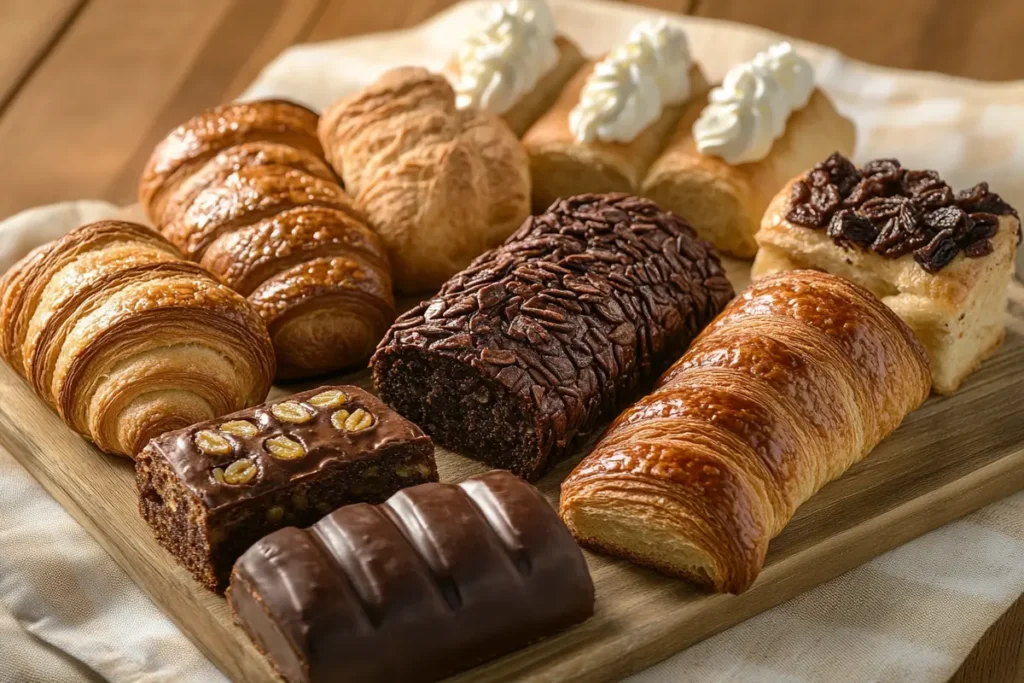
(213, 489)
(940, 259)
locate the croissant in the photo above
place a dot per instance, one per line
(245, 191)
(438, 184)
(796, 380)
(126, 340)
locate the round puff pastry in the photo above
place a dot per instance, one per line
(439, 185)
(244, 189)
(796, 380)
(128, 341)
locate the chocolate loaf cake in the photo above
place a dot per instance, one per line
(213, 489)
(437, 579)
(539, 339)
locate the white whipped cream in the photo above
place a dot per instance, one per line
(504, 59)
(748, 112)
(628, 89)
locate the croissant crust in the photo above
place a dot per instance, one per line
(245, 190)
(797, 379)
(126, 340)
(438, 184)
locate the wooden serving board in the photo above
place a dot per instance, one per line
(950, 457)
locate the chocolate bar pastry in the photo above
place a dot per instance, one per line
(438, 579)
(213, 489)
(542, 338)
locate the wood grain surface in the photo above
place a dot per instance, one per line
(87, 87)
(900, 491)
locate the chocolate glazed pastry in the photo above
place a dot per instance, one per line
(438, 579)
(211, 490)
(244, 189)
(539, 339)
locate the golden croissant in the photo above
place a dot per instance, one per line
(800, 377)
(244, 190)
(440, 185)
(126, 340)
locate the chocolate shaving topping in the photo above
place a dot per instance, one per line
(893, 211)
(577, 306)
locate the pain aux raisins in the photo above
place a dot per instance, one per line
(893, 211)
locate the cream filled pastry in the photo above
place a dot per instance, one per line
(514, 64)
(614, 116)
(733, 149)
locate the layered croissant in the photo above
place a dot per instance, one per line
(438, 184)
(797, 379)
(244, 189)
(126, 340)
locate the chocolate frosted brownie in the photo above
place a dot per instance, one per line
(437, 579)
(211, 490)
(541, 338)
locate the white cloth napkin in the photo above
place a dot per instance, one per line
(68, 613)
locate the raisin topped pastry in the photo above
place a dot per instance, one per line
(525, 351)
(734, 148)
(614, 116)
(244, 190)
(514, 64)
(439, 184)
(941, 259)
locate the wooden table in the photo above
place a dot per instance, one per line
(87, 87)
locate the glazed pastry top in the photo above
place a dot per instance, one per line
(503, 60)
(629, 88)
(748, 112)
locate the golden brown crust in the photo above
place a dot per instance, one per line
(193, 143)
(561, 166)
(531, 106)
(439, 185)
(252, 199)
(725, 202)
(797, 379)
(958, 314)
(126, 340)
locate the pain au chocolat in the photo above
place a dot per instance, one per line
(940, 259)
(439, 578)
(800, 377)
(538, 340)
(126, 340)
(244, 189)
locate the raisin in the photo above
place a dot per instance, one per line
(847, 227)
(978, 249)
(938, 252)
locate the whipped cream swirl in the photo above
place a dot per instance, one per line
(504, 59)
(629, 88)
(748, 112)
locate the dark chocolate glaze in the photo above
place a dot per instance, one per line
(438, 579)
(324, 445)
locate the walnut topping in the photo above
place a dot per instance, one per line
(332, 398)
(352, 422)
(292, 411)
(212, 443)
(239, 428)
(283, 448)
(892, 211)
(239, 472)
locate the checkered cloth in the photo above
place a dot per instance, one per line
(68, 613)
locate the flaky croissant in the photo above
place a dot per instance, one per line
(438, 184)
(797, 380)
(126, 340)
(244, 189)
